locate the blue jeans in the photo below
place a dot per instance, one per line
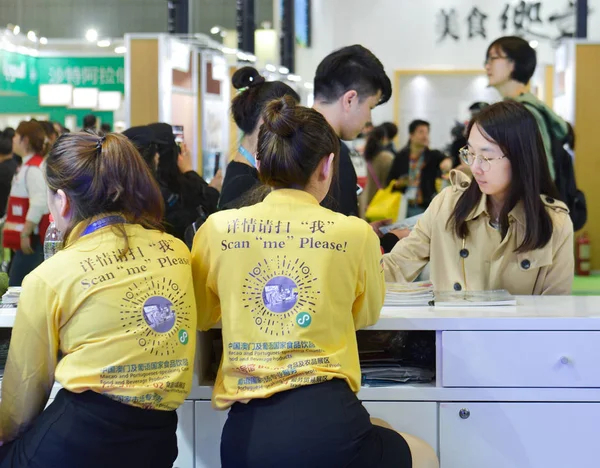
(23, 264)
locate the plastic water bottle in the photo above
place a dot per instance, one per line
(53, 241)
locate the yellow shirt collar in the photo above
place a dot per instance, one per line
(290, 196)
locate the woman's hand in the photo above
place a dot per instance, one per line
(217, 181)
(184, 161)
(26, 245)
(378, 224)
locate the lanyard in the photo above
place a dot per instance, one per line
(103, 222)
(248, 155)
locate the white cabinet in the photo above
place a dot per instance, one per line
(418, 419)
(185, 436)
(521, 359)
(209, 425)
(519, 435)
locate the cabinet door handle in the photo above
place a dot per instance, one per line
(464, 413)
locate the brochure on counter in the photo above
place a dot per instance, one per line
(417, 294)
(421, 294)
(499, 297)
(11, 297)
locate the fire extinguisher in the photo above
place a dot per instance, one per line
(582, 255)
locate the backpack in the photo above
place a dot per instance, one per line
(565, 176)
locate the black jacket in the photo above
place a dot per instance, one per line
(342, 196)
(431, 171)
(181, 209)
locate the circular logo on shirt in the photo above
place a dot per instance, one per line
(158, 314)
(280, 294)
(276, 290)
(303, 319)
(155, 312)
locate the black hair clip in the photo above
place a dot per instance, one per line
(99, 144)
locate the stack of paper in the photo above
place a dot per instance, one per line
(407, 223)
(499, 297)
(11, 296)
(409, 294)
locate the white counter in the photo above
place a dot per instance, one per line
(515, 387)
(530, 313)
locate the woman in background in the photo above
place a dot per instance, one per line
(247, 107)
(27, 216)
(184, 191)
(379, 161)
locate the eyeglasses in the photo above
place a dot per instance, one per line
(469, 159)
(491, 58)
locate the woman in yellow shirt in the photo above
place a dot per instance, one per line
(291, 282)
(505, 229)
(111, 317)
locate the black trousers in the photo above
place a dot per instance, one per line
(317, 426)
(89, 430)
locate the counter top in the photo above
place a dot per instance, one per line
(530, 313)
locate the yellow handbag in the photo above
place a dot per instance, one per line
(386, 202)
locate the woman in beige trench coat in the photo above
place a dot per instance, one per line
(505, 228)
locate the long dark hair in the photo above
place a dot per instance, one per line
(255, 93)
(374, 144)
(514, 129)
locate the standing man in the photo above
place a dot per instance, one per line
(349, 84)
(416, 168)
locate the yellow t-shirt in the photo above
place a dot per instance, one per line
(291, 282)
(124, 327)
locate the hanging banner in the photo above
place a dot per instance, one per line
(104, 73)
(18, 74)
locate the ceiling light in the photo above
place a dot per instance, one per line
(215, 30)
(43, 40)
(31, 36)
(284, 70)
(534, 44)
(91, 35)
(271, 68)
(228, 50)
(120, 50)
(294, 78)
(16, 30)
(308, 85)
(104, 43)
(223, 33)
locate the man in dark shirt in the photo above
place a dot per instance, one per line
(349, 83)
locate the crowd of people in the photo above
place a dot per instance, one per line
(281, 260)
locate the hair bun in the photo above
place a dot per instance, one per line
(279, 116)
(246, 77)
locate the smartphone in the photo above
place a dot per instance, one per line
(217, 163)
(178, 132)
